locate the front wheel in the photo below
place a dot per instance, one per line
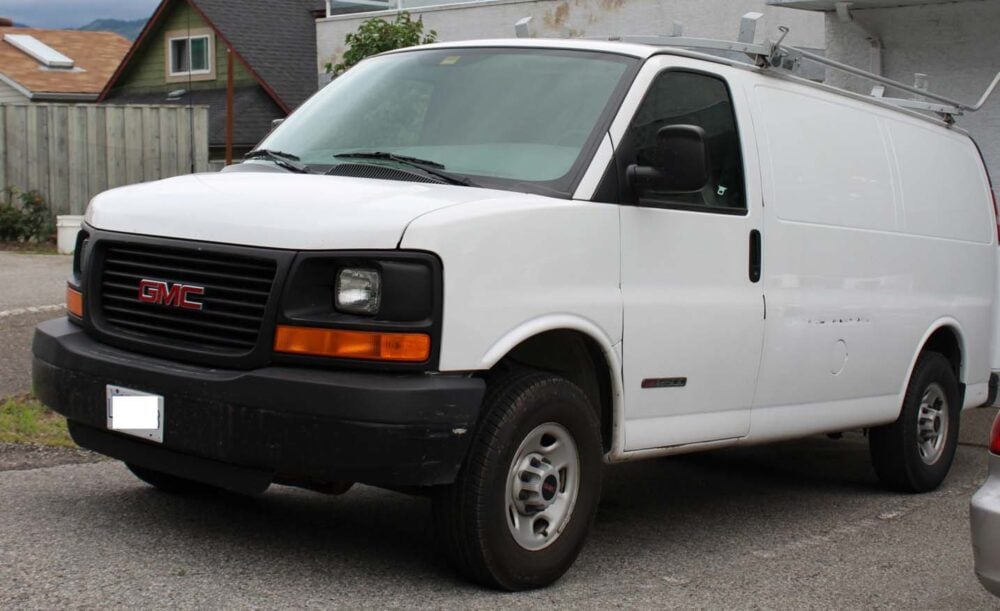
(519, 513)
(914, 453)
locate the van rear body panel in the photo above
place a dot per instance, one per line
(878, 230)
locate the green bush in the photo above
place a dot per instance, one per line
(376, 36)
(24, 217)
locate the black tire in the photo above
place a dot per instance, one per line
(895, 448)
(471, 515)
(169, 483)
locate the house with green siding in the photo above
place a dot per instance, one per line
(182, 57)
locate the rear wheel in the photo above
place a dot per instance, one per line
(914, 453)
(169, 483)
(519, 512)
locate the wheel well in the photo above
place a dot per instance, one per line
(945, 341)
(576, 357)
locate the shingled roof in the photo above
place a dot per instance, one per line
(95, 56)
(275, 40)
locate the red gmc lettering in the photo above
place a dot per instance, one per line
(176, 295)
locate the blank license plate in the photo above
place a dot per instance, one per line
(134, 412)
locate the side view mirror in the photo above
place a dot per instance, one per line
(682, 162)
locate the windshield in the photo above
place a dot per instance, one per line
(519, 119)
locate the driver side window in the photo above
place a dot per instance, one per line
(689, 98)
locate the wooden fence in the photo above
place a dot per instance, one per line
(70, 153)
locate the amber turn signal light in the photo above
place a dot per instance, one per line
(74, 302)
(376, 346)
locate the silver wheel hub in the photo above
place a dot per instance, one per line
(542, 485)
(932, 424)
(535, 485)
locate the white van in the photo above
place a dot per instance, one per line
(482, 270)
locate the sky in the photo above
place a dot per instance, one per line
(73, 13)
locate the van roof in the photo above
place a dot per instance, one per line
(645, 51)
(579, 44)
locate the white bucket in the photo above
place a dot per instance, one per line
(67, 226)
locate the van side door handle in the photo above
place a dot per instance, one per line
(754, 256)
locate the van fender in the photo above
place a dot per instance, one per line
(570, 322)
(945, 321)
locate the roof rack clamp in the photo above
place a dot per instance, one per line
(779, 56)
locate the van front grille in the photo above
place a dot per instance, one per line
(232, 290)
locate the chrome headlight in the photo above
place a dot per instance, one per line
(358, 291)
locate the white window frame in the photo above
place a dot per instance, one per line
(188, 39)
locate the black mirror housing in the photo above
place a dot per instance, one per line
(682, 161)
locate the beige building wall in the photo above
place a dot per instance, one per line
(584, 18)
(955, 44)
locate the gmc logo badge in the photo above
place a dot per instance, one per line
(175, 295)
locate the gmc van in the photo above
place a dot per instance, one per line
(480, 271)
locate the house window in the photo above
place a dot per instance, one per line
(190, 56)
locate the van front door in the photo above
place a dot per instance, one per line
(693, 308)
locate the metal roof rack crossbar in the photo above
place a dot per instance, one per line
(778, 55)
(945, 106)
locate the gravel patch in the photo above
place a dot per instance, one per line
(22, 457)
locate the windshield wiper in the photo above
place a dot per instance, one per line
(285, 160)
(430, 167)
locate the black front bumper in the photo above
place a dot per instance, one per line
(244, 429)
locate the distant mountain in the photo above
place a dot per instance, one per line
(128, 29)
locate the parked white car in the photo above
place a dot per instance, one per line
(984, 516)
(483, 270)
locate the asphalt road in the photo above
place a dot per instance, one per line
(32, 280)
(795, 525)
(798, 525)
(32, 289)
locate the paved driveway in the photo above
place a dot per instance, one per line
(796, 525)
(793, 526)
(32, 289)
(32, 280)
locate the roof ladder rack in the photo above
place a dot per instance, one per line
(947, 107)
(778, 55)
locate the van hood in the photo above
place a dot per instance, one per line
(277, 210)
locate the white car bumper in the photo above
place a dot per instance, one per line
(984, 516)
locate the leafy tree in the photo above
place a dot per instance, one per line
(376, 36)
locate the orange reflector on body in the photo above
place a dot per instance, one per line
(74, 301)
(407, 347)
